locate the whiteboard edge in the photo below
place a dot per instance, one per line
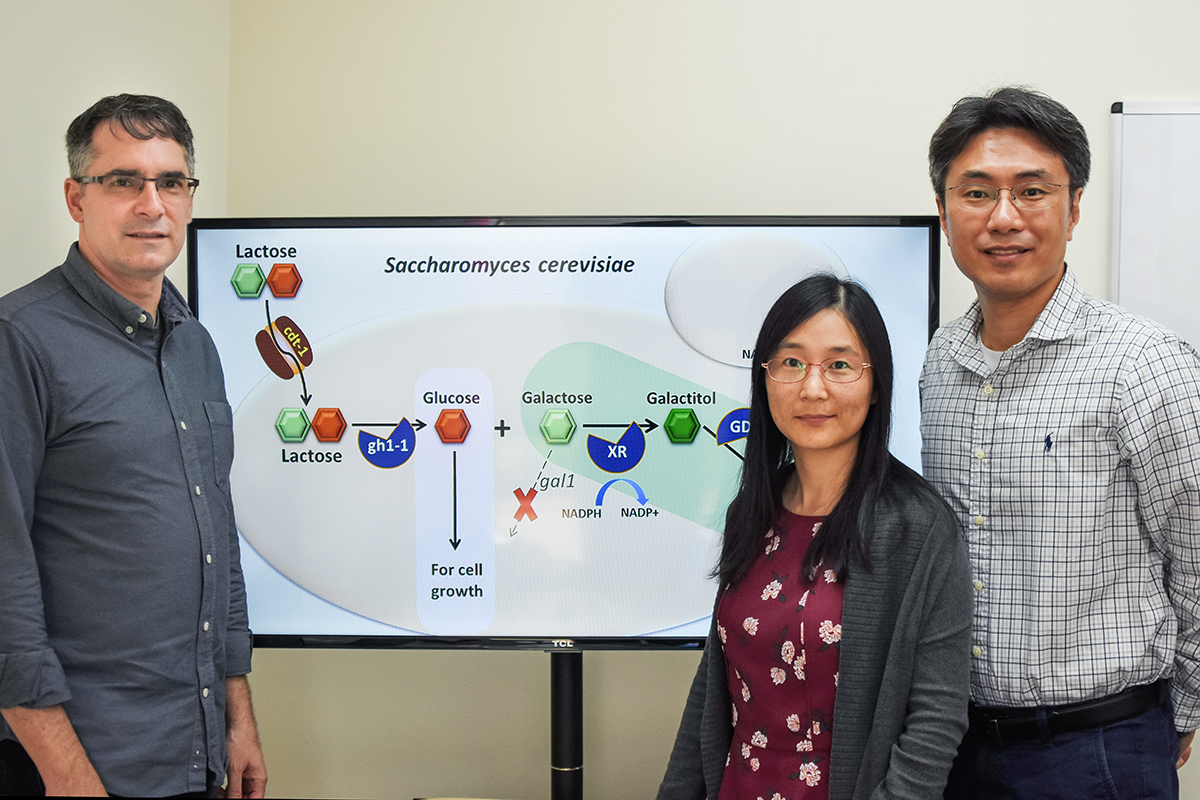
(1160, 107)
(1116, 126)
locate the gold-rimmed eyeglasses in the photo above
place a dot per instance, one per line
(788, 369)
(981, 197)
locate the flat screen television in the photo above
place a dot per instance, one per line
(510, 432)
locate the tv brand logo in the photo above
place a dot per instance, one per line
(561, 643)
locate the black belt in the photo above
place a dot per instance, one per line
(1010, 725)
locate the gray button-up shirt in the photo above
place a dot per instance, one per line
(120, 582)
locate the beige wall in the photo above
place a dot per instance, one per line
(304, 107)
(60, 56)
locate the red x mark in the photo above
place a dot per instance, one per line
(526, 508)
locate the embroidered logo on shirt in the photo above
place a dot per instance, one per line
(1049, 441)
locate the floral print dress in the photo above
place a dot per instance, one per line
(781, 634)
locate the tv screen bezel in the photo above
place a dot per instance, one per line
(547, 644)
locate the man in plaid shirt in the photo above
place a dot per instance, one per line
(1065, 433)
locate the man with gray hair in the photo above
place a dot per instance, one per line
(1065, 433)
(124, 642)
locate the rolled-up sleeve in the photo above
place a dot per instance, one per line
(30, 672)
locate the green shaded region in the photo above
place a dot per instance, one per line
(695, 483)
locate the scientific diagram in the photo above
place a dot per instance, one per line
(480, 446)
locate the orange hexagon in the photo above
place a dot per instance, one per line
(452, 425)
(328, 424)
(284, 280)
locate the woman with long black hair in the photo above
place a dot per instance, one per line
(838, 663)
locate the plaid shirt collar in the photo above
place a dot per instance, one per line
(1057, 320)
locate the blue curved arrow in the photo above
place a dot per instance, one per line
(641, 496)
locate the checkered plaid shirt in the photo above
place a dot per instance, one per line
(1074, 469)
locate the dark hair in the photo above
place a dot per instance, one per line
(1010, 107)
(768, 463)
(142, 116)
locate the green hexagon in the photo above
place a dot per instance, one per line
(292, 424)
(248, 281)
(558, 426)
(681, 425)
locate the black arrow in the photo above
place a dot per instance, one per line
(646, 426)
(417, 425)
(455, 542)
(727, 445)
(304, 395)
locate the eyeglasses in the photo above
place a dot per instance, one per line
(170, 187)
(978, 197)
(787, 369)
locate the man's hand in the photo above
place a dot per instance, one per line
(50, 740)
(247, 776)
(1185, 749)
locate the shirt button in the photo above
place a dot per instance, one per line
(208, 557)
(979, 454)
(975, 651)
(129, 329)
(198, 488)
(183, 424)
(206, 626)
(989, 389)
(141, 318)
(978, 587)
(205, 691)
(979, 520)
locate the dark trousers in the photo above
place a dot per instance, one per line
(1124, 761)
(19, 776)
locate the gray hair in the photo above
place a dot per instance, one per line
(142, 116)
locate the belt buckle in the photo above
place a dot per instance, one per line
(993, 729)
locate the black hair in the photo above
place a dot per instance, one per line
(768, 462)
(1010, 107)
(142, 116)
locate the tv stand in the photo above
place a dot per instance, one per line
(566, 725)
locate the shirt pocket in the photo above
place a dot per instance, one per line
(220, 427)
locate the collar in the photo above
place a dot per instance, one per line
(1056, 322)
(124, 314)
(1058, 318)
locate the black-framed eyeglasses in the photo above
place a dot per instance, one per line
(789, 369)
(174, 187)
(979, 196)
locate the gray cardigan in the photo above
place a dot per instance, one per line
(904, 673)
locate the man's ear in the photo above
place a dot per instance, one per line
(1073, 217)
(74, 196)
(941, 207)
